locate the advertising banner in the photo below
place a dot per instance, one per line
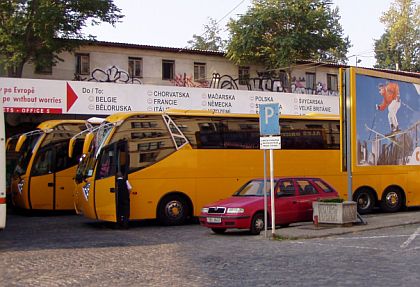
(387, 121)
(79, 97)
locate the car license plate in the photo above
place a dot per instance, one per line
(214, 220)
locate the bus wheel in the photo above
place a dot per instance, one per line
(173, 210)
(257, 223)
(219, 230)
(392, 200)
(365, 201)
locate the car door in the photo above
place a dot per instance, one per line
(307, 193)
(286, 203)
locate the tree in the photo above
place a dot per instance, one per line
(210, 39)
(38, 30)
(279, 33)
(399, 46)
(386, 58)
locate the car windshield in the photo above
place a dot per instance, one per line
(253, 188)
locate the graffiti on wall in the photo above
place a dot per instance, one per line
(111, 75)
(182, 80)
(270, 83)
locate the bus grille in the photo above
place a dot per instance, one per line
(217, 210)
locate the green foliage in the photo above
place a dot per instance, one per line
(399, 46)
(37, 30)
(278, 33)
(332, 200)
(210, 39)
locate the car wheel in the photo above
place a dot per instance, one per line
(173, 210)
(392, 200)
(257, 224)
(365, 201)
(219, 230)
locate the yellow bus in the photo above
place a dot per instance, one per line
(178, 161)
(43, 176)
(381, 143)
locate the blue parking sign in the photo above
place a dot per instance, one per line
(269, 119)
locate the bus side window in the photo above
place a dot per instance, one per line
(105, 164)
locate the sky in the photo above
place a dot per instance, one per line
(172, 23)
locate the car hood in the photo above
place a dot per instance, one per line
(238, 201)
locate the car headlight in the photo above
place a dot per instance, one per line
(205, 210)
(235, 210)
(20, 186)
(86, 189)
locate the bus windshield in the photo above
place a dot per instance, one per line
(87, 162)
(25, 153)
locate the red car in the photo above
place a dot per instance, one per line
(245, 209)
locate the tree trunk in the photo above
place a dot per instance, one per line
(16, 71)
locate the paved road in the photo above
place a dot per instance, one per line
(69, 250)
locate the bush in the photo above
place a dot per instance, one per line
(332, 200)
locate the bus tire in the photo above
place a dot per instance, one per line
(365, 200)
(219, 230)
(392, 199)
(257, 223)
(173, 210)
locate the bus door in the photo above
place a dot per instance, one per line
(41, 180)
(113, 158)
(65, 170)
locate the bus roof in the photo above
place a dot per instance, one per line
(50, 124)
(124, 115)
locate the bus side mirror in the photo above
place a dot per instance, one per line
(20, 143)
(71, 146)
(8, 144)
(88, 140)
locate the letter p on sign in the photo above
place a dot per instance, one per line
(269, 119)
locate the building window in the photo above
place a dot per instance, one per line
(332, 82)
(82, 64)
(243, 75)
(199, 72)
(135, 67)
(310, 81)
(168, 69)
(44, 64)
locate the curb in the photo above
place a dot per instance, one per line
(354, 229)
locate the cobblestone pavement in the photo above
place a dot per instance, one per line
(69, 250)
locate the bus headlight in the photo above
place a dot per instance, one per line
(20, 186)
(205, 210)
(86, 189)
(235, 210)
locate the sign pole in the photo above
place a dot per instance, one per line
(265, 194)
(273, 210)
(269, 139)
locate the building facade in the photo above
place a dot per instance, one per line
(151, 65)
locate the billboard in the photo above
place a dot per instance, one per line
(78, 97)
(387, 120)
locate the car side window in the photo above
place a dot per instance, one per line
(286, 188)
(323, 186)
(306, 188)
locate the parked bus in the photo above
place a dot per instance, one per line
(43, 176)
(381, 144)
(3, 172)
(180, 160)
